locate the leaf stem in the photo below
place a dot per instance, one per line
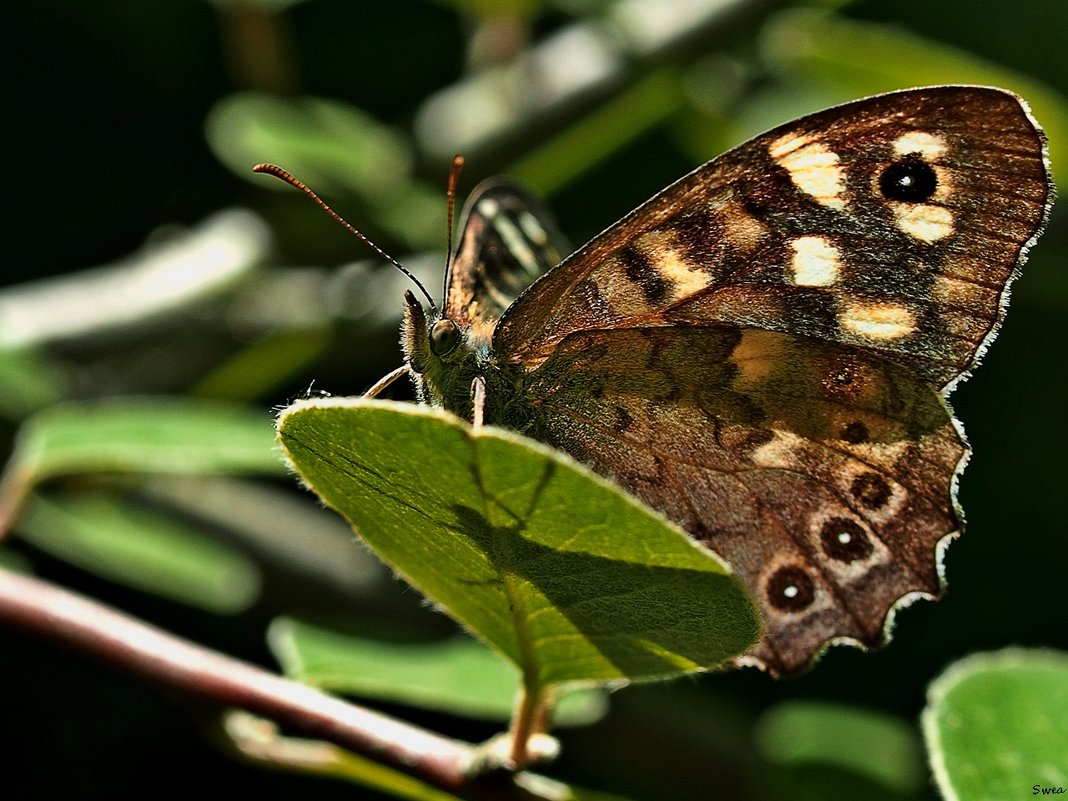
(528, 739)
(522, 726)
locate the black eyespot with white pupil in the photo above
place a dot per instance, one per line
(909, 180)
(444, 336)
(845, 540)
(791, 589)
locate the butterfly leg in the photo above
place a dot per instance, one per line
(478, 401)
(386, 381)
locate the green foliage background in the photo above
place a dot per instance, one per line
(123, 115)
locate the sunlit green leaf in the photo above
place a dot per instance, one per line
(555, 568)
(334, 148)
(611, 127)
(996, 726)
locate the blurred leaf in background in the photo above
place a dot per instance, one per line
(994, 724)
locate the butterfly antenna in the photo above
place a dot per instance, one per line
(282, 175)
(454, 178)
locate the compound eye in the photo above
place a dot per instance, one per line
(444, 336)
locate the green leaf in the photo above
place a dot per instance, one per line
(459, 676)
(332, 146)
(264, 366)
(877, 747)
(557, 569)
(996, 725)
(488, 9)
(14, 561)
(158, 435)
(30, 382)
(141, 549)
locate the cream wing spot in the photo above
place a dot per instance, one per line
(682, 278)
(917, 190)
(785, 145)
(877, 321)
(489, 208)
(778, 452)
(944, 190)
(685, 279)
(929, 146)
(813, 167)
(815, 261)
(923, 221)
(513, 239)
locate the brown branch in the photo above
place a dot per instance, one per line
(57, 614)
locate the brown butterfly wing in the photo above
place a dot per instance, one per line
(736, 435)
(507, 241)
(760, 351)
(791, 232)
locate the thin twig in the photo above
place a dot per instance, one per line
(57, 614)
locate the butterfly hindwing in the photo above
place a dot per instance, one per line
(762, 350)
(737, 435)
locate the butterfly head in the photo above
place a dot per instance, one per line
(441, 359)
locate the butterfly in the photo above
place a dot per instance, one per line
(764, 350)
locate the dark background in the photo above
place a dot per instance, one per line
(107, 105)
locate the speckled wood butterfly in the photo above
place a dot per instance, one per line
(763, 351)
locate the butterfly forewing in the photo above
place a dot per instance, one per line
(804, 230)
(761, 350)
